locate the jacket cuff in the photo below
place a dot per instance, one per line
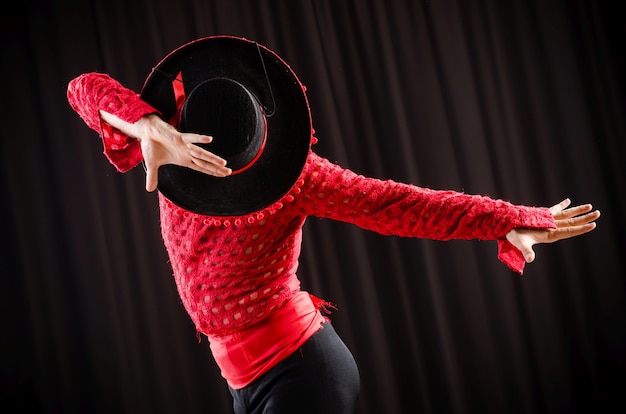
(511, 256)
(122, 151)
(531, 218)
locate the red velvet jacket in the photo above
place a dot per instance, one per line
(236, 276)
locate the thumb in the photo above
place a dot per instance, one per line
(152, 178)
(529, 254)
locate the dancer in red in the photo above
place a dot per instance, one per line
(222, 126)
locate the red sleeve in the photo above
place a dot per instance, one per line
(91, 92)
(392, 208)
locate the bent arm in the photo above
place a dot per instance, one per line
(132, 131)
(91, 93)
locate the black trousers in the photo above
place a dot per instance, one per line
(321, 377)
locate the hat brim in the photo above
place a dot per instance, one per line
(288, 128)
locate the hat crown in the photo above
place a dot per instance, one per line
(274, 133)
(226, 110)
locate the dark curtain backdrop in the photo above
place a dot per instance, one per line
(519, 100)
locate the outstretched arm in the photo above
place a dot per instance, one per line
(162, 144)
(399, 209)
(570, 222)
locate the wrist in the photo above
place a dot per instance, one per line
(145, 126)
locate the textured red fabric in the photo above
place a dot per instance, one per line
(245, 355)
(91, 92)
(234, 274)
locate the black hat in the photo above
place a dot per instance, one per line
(255, 108)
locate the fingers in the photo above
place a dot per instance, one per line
(207, 162)
(573, 216)
(557, 208)
(210, 168)
(201, 154)
(190, 138)
(572, 211)
(573, 222)
(571, 231)
(576, 219)
(151, 178)
(202, 160)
